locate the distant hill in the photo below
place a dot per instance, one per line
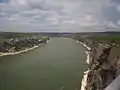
(51, 34)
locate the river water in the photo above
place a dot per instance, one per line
(57, 65)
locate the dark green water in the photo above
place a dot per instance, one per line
(57, 65)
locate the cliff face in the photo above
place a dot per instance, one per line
(103, 67)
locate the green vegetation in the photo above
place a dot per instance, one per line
(13, 42)
(113, 38)
(8, 35)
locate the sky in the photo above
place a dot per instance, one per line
(59, 15)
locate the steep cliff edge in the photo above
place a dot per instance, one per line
(103, 67)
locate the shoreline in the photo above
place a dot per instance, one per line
(87, 52)
(22, 51)
(85, 77)
(84, 82)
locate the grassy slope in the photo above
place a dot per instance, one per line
(111, 37)
(17, 35)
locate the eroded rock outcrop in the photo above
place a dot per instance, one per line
(103, 67)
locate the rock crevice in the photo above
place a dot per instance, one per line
(103, 67)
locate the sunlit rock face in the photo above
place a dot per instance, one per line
(103, 68)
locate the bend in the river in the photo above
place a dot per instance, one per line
(57, 65)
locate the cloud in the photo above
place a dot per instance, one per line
(111, 25)
(58, 15)
(118, 22)
(4, 1)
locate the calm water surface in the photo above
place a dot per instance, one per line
(57, 65)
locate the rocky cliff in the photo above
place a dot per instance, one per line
(103, 67)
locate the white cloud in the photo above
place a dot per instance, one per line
(68, 22)
(118, 22)
(53, 20)
(118, 8)
(88, 20)
(52, 14)
(111, 25)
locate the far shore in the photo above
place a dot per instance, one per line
(22, 51)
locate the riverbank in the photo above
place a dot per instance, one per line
(85, 77)
(84, 81)
(103, 67)
(22, 51)
(87, 52)
(58, 58)
(12, 46)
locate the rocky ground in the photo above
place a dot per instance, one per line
(103, 67)
(103, 60)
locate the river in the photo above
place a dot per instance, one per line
(57, 65)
